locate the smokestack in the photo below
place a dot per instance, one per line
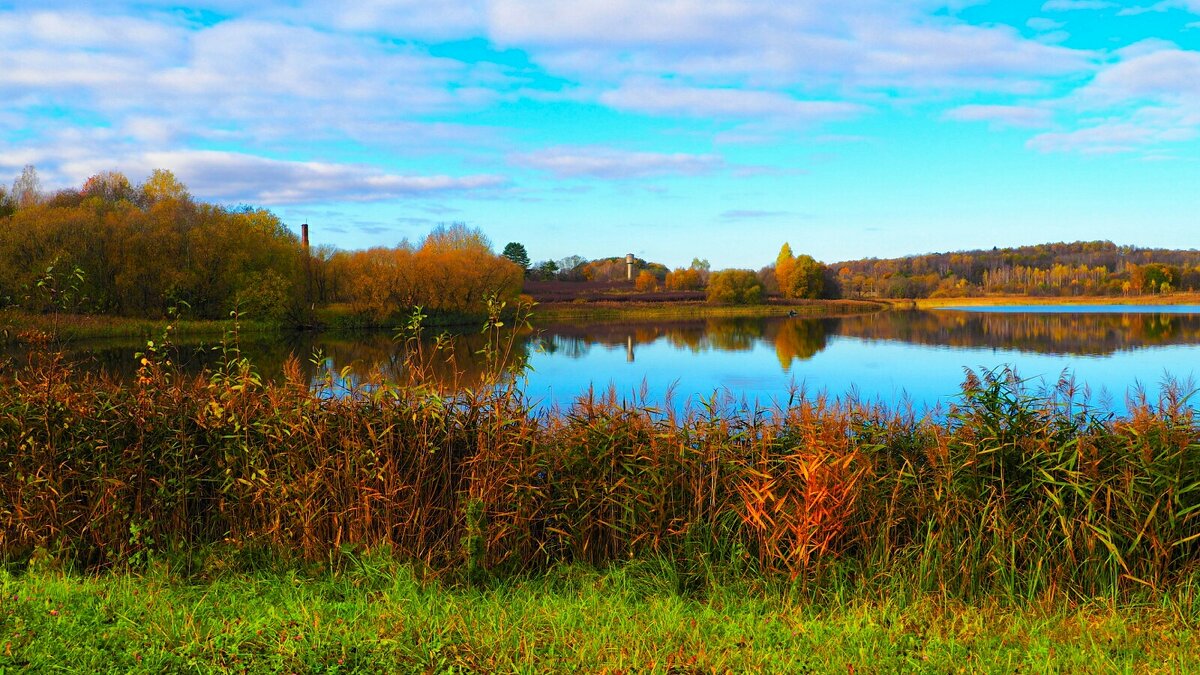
(629, 266)
(304, 235)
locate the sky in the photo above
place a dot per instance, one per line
(672, 129)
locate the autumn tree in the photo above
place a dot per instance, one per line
(456, 237)
(452, 271)
(784, 262)
(681, 279)
(735, 287)
(161, 186)
(693, 278)
(646, 281)
(1153, 278)
(1076, 268)
(140, 256)
(108, 186)
(798, 276)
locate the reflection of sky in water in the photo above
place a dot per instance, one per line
(883, 357)
(874, 370)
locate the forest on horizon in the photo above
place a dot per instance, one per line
(112, 247)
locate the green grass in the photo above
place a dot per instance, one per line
(377, 616)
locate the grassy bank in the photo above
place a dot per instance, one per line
(374, 615)
(603, 311)
(18, 326)
(1002, 300)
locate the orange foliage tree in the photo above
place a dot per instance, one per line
(646, 282)
(453, 270)
(681, 279)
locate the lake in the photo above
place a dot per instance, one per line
(894, 357)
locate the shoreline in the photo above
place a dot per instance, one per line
(75, 327)
(609, 310)
(1005, 300)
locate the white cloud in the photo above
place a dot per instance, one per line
(662, 99)
(278, 78)
(251, 76)
(275, 72)
(817, 44)
(1072, 5)
(1148, 98)
(611, 163)
(1001, 115)
(428, 19)
(234, 177)
(1163, 6)
(964, 56)
(229, 176)
(1161, 73)
(605, 23)
(82, 30)
(1108, 138)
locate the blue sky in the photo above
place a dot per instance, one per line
(673, 129)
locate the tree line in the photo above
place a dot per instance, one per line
(113, 247)
(117, 248)
(791, 277)
(1057, 269)
(452, 270)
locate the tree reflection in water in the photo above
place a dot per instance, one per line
(461, 363)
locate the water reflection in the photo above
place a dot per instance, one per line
(1066, 332)
(797, 339)
(752, 356)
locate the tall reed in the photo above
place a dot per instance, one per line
(1013, 492)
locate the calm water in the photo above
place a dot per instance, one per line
(915, 356)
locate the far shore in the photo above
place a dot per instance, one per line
(17, 326)
(633, 310)
(1002, 300)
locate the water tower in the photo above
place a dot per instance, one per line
(629, 266)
